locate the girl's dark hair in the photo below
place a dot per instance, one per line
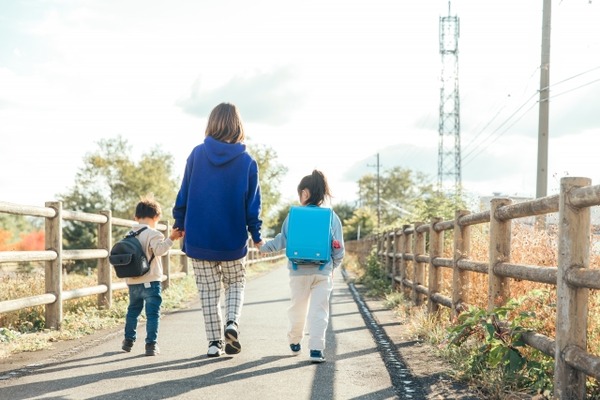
(225, 124)
(316, 183)
(147, 208)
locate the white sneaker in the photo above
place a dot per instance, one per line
(215, 348)
(232, 344)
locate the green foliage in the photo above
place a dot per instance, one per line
(374, 277)
(344, 211)
(405, 197)
(270, 174)
(8, 335)
(362, 223)
(280, 215)
(399, 189)
(437, 204)
(111, 180)
(494, 346)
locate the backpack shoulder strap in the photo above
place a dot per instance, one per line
(135, 233)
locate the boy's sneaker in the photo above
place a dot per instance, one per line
(152, 349)
(295, 348)
(232, 345)
(215, 348)
(316, 356)
(127, 345)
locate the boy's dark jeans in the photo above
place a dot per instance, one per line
(152, 298)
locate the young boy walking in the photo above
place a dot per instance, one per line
(146, 291)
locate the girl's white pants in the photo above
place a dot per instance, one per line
(309, 307)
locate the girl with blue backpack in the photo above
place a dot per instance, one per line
(311, 284)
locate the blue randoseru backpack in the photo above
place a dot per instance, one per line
(309, 235)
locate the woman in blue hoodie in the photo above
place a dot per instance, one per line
(218, 204)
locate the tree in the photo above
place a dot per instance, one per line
(344, 210)
(270, 173)
(399, 191)
(32, 241)
(111, 180)
(362, 223)
(17, 224)
(5, 239)
(405, 197)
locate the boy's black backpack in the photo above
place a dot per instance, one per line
(128, 257)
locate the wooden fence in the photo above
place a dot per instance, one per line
(413, 256)
(54, 256)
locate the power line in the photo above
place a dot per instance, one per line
(478, 149)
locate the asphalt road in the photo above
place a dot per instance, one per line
(361, 363)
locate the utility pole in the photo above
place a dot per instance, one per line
(542, 160)
(378, 194)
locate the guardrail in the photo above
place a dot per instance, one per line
(413, 258)
(54, 256)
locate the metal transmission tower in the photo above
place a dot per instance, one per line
(449, 159)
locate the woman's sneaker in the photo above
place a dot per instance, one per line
(316, 356)
(215, 348)
(295, 348)
(232, 345)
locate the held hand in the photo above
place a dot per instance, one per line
(257, 245)
(176, 233)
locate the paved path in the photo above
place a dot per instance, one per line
(357, 355)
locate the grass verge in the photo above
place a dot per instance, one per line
(23, 330)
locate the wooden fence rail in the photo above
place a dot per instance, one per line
(417, 250)
(54, 256)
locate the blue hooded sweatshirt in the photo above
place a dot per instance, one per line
(219, 202)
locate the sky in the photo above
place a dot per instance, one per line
(326, 84)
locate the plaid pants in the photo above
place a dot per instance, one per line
(209, 276)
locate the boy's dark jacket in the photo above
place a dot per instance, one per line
(219, 201)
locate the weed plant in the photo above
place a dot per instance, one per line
(486, 348)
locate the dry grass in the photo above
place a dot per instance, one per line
(23, 330)
(528, 247)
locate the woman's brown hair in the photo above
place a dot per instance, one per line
(225, 124)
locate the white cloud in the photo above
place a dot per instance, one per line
(327, 85)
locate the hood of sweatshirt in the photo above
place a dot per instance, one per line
(220, 153)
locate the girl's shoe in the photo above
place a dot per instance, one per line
(295, 348)
(316, 356)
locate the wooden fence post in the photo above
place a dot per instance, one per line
(380, 247)
(397, 257)
(499, 252)
(104, 268)
(185, 265)
(460, 278)
(53, 269)
(166, 260)
(389, 260)
(436, 246)
(418, 267)
(406, 248)
(572, 302)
